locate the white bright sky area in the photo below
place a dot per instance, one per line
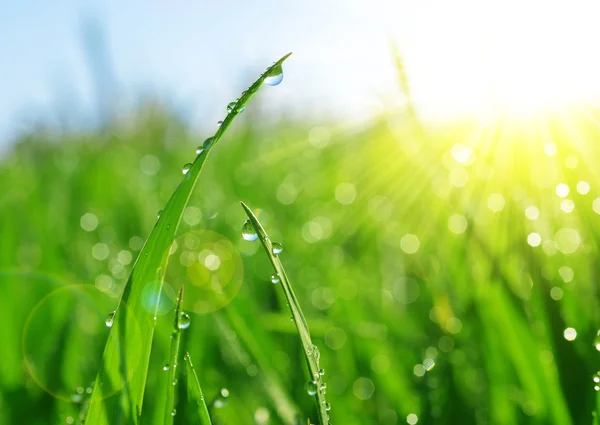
(461, 56)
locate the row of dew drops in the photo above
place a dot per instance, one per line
(314, 385)
(274, 77)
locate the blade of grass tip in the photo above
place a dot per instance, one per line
(195, 391)
(316, 386)
(119, 389)
(182, 321)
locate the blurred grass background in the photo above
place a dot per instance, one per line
(448, 272)
(406, 243)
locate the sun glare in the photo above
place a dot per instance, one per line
(522, 57)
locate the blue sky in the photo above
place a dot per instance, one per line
(198, 53)
(201, 53)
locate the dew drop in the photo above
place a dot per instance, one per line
(316, 353)
(166, 366)
(184, 320)
(173, 412)
(248, 231)
(323, 388)
(199, 150)
(110, 318)
(275, 278)
(219, 123)
(186, 168)
(311, 387)
(159, 214)
(208, 143)
(277, 248)
(174, 381)
(597, 341)
(275, 76)
(327, 406)
(321, 372)
(231, 107)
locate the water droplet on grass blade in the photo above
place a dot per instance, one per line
(311, 387)
(166, 366)
(159, 213)
(219, 123)
(275, 278)
(208, 143)
(173, 412)
(277, 248)
(186, 168)
(184, 320)
(327, 406)
(110, 318)
(316, 353)
(275, 76)
(199, 150)
(231, 107)
(248, 231)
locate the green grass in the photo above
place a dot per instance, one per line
(487, 307)
(195, 394)
(119, 390)
(316, 385)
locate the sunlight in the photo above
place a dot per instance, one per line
(520, 57)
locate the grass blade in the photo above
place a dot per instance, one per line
(195, 391)
(178, 325)
(119, 389)
(311, 351)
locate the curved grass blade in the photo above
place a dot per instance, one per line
(316, 384)
(195, 391)
(119, 388)
(178, 325)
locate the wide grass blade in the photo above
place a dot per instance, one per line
(195, 392)
(119, 389)
(316, 385)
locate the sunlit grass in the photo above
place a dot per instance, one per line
(469, 246)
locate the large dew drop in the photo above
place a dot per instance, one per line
(275, 76)
(231, 107)
(110, 318)
(311, 387)
(248, 231)
(184, 320)
(277, 248)
(275, 278)
(208, 143)
(186, 168)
